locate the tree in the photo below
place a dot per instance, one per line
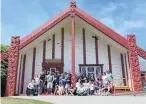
(4, 65)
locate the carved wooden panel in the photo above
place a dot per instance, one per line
(141, 52)
(134, 63)
(12, 65)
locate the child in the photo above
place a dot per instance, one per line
(92, 88)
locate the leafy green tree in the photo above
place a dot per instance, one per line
(4, 65)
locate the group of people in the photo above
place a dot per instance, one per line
(54, 84)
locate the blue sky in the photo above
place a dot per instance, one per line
(20, 17)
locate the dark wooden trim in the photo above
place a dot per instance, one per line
(19, 74)
(90, 64)
(123, 70)
(33, 62)
(109, 58)
(126, 66)
(23, 73)
(62, 44)
(84, 46)
(101, 65)
(53, 47)
(96, 50)
(44, 50)
(143, 72)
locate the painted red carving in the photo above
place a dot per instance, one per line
(73, 6)
(134, 63)
(141, 52)
(12, 65)
(4, 55)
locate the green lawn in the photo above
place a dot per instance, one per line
(8, 100)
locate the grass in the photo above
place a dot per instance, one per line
(8, 100)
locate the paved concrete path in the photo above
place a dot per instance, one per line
(83, 100)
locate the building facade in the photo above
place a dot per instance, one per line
(75, 42)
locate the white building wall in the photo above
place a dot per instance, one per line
(28, 68)
(49, 47)
(58, 44)
(90, 52)
(67, 49)
(39, 58)
(103, 55)
(116, 66)
(90, 48)
(78, 47)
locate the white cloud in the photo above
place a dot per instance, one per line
(126, 23)
(108, 21)
(134, 24)
(110, 8)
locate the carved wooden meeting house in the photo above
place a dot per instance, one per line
(73, 41)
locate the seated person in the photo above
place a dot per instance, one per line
(107, 89)
(86, 86)
(60, 89)
(80, 89)
(30, 88)
(72, 90)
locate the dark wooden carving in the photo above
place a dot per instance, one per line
(12, 65)
(134, 63)
(58, 65)
(109, 58)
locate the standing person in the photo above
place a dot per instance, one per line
(67, 85)
(49, 83)
(99, 75)
(61, 79)
(105, 78)
(77, 76)
(42, 82)
(92, 77)
(54, 82)
(110, 76)
(37, 83)
(30, 88)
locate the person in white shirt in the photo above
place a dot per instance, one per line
(78, 84)
(80, 88)
(86, 86)
(30, 88)
(105, 78)
(37, 83)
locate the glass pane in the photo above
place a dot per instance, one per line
(98, 70)
(83, 70)
(91, 69)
